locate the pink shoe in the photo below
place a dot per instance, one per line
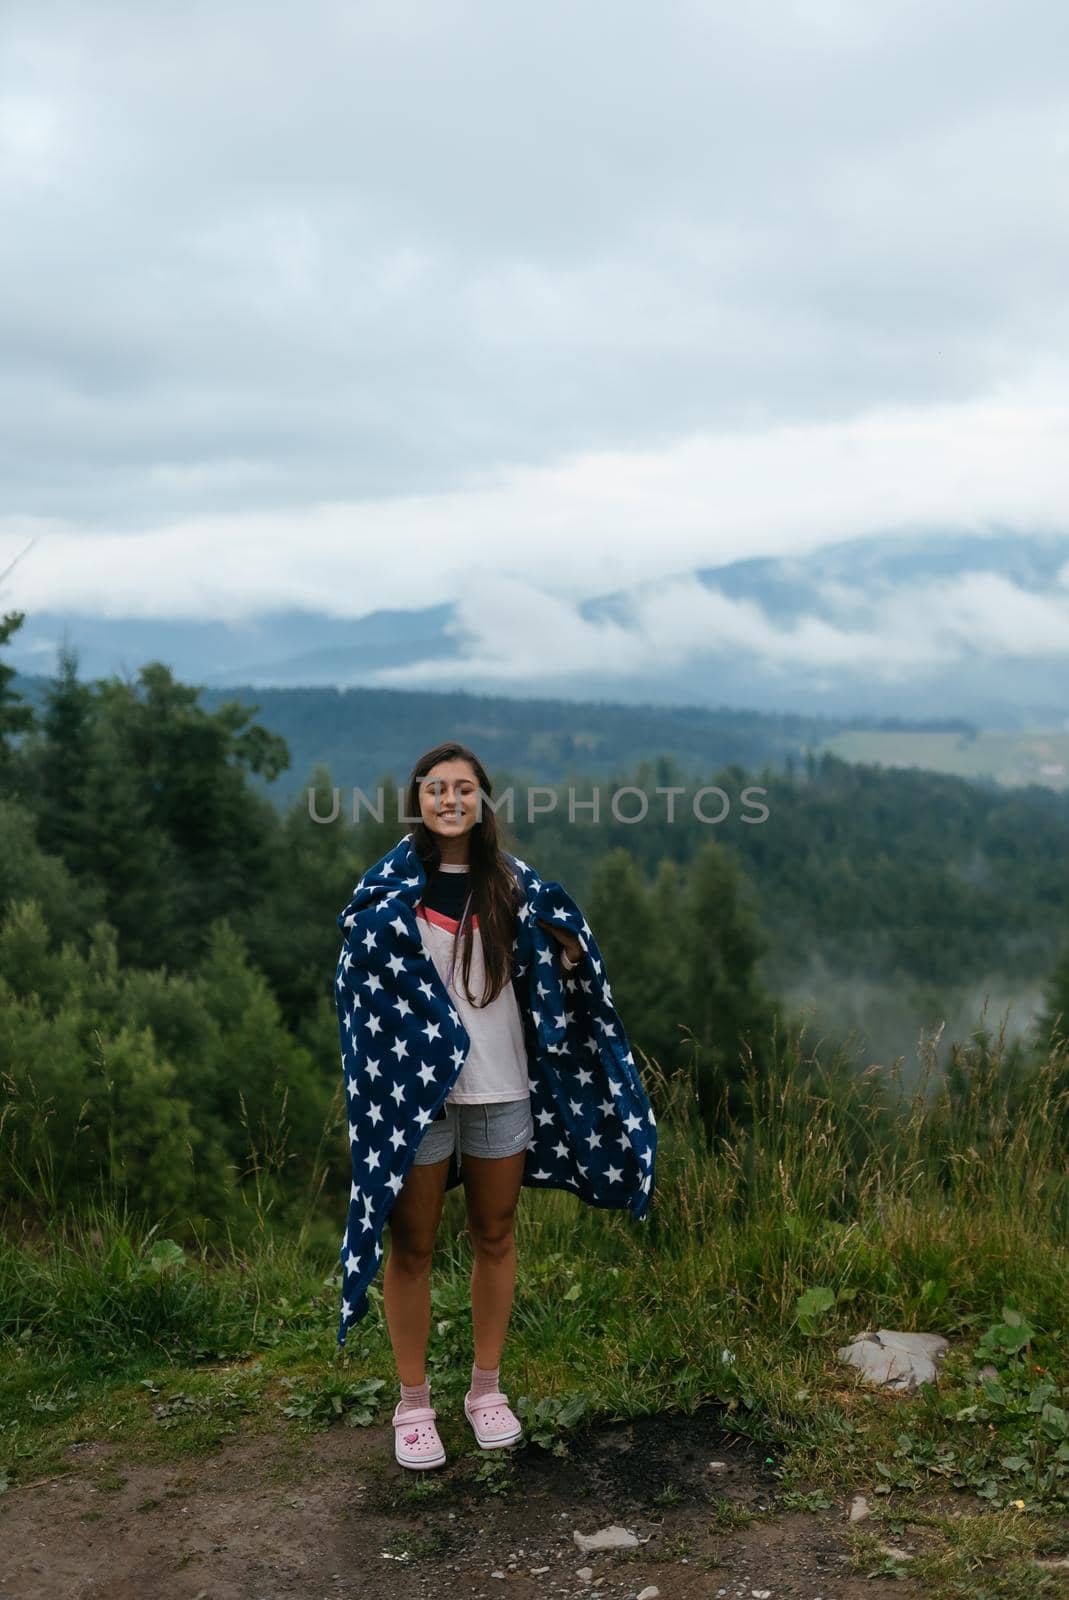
(493, 1421)
(416, 1441)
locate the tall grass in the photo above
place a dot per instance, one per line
(928, 1207)
(931, 1206)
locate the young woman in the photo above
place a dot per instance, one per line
(476, 909)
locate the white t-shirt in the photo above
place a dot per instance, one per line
(495, 1067)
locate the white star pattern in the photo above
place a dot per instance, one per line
(578, 1110)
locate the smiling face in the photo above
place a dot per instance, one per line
(448, 799)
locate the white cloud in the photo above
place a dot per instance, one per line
(513, 630)
(587, 525)
(261, 260)
(983, 612)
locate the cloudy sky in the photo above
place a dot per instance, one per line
(359, 305)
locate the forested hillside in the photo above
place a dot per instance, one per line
(363, 734)
(168, 934)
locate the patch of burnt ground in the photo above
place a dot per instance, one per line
(635, 1463)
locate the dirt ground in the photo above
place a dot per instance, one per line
(292, 1516)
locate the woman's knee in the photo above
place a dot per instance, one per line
(415, 1216)
(411, 1253)
(494, 1241)
(412, 1237)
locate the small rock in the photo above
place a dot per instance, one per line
(761, 1594)
(899, 1361)
(717, 1466)
(650, 1592)
(586, 1573)
(536, 1572)
(859, 1508)
(497, 1573)
(611, 1538)
(896, 1555)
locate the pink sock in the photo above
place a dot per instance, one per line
(415, 1394)
(484, 1380)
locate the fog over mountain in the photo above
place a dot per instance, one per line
(920, 626)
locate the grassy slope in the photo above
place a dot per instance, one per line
(836, 1211)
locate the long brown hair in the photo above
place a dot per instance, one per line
(495, 894)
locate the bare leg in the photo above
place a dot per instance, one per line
(406, 1283)
(492, 1189)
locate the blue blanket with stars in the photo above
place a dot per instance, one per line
(403, 1045)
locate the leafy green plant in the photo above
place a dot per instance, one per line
(811, 1309)
(548, 1420)
(1008, 1337)
(799, 1500)
(205, 1414)
(163, 1256)
(495, 1472)
(332, 1400)
(1010, 1445)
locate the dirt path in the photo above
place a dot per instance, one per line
(330, 1514)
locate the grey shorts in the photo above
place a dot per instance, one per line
(495, 1129)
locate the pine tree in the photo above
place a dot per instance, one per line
(63, 765)
(15, 716)
(726, 1007)
(641, 955)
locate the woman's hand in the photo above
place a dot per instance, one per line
(564, 936)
